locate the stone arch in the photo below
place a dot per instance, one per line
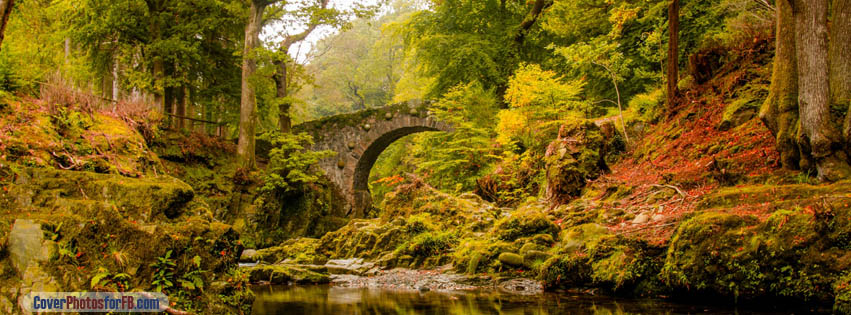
(359, 138)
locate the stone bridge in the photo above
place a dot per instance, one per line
(358, 138)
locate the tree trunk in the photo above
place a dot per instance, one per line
(673, 51)
(6, 11)
(281, 84)
(780, 110)
(180, 112)
(840, 62)
(116, 88)
(248, 103)
(168, 106)
(67, 50)
(821, 137)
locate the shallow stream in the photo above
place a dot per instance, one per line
(325, 299)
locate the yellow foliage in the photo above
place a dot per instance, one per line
(511, 123)
(533, 86)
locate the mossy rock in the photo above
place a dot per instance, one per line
(282, 274)
(511, 259)
(142, 199)
(577, 154)
(299, 251)
(790, 254)
(582, 236)
(738, 113)
(523, 223)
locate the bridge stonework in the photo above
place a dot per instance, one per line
(359, 138)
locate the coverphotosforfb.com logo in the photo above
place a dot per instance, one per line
(83, 302)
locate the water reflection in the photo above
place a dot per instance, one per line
(336, 300)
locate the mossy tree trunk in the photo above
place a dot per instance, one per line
(780, 110)
(6, 11)
(673, 51)
(821, 137)
(248, 102)
(840, 62)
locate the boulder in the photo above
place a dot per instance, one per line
(282, 274)
(577, 154)
(27, 245)
(353, 266)
(641, 218)
(248, 255)
(511, 259)
(521, 286)
(738, 113)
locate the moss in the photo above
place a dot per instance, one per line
(523, 223)
(780, 195)
(282, 274)
(473, 264)
(738, 112)
(299, 251)
(429, 244)
(786, 255)
(842, 291)
(577, 154)
(511, 259)
(310, 210)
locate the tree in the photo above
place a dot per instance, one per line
(810, 77)
(820, 134)
(673, 51)
(248, 103)
(840, 62)
(5, 11)
(779, 112)
(461, 41)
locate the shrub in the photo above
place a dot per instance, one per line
(290, 163)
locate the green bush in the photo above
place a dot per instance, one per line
(290, 163)
(648, 105)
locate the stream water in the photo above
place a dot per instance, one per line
(325, 299)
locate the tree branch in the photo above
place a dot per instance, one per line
(531, 18)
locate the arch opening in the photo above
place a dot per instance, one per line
(360, 181)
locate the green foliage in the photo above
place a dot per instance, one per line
(430, 243)
(460, 156)
(648, 105)
(164, 268)
(194, 278)
(513, 180)
(105, 279)
(70, 123)
(290, 163)
(461, 41)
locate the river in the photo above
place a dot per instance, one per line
(326, 299)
